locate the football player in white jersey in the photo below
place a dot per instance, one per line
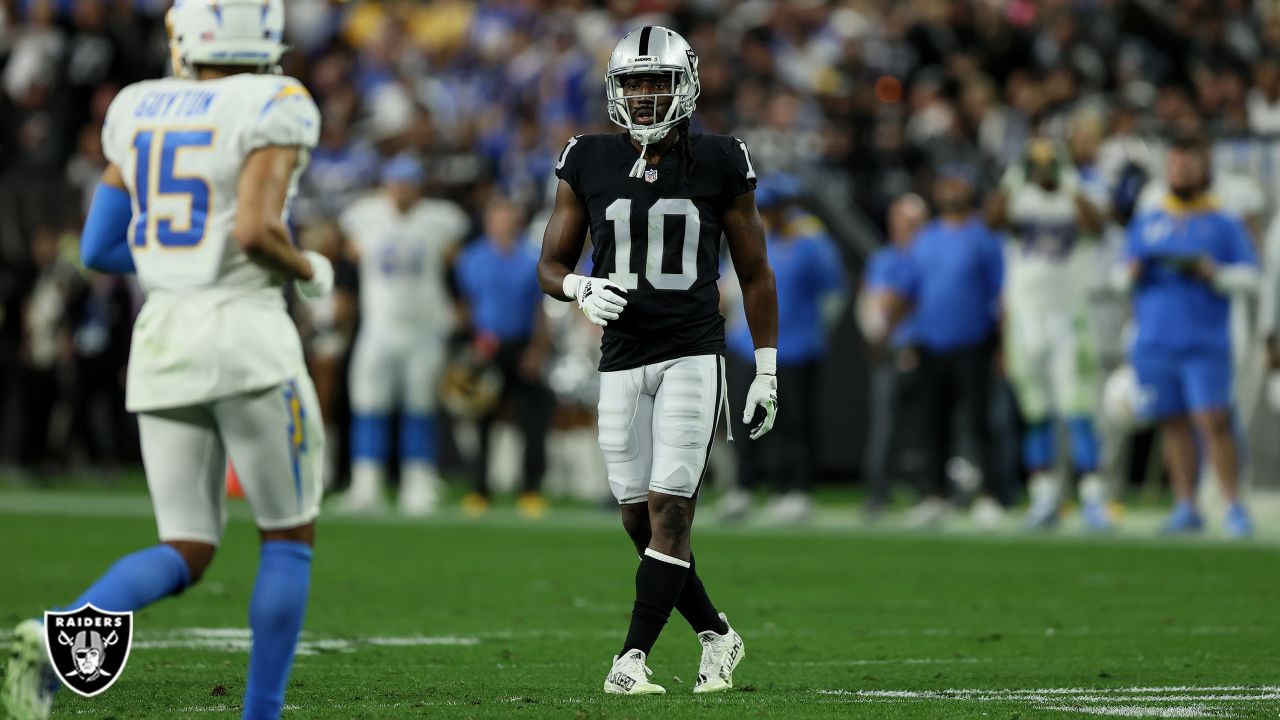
(1048, 353)
(405, 244)
(203, 167)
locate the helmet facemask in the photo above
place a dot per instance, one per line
(683, 95)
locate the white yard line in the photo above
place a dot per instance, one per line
(1190, 711)
(1156, 701)
(957, 693)
(877, 661)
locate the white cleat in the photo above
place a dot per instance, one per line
(362, 503)
(630, 676)
(735, 505)
(366, 496)
(720, 655)
(928, 513)
(419, 494)
(987, 514)
(794, 508)
(29, 682)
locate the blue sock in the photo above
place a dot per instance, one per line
(371, 438)
(137, 580)
(418, 437)
(1037, 445)
(275, 616)
(1084, 444)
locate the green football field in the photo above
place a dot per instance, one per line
(503, 618)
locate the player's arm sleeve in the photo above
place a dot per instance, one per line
(1238, 271)
(740, 174)
(104, 243)
(288, 117)
(569, 164)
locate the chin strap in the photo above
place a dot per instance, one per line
(637, 170)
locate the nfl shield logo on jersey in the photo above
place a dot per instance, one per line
(88, 647)
(651, 175)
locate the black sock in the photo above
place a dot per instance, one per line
(659, 581)
(695, 605)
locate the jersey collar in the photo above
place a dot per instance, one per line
(1202, 203)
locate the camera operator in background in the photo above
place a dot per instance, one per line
(1183, 264)
(1048, 348)
(883, 317)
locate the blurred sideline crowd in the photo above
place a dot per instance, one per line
(966, 200)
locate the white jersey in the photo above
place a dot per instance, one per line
(403, 293)
(214, 323)
(1046, 261)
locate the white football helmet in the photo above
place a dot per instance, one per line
(225, 32)
(652, 50)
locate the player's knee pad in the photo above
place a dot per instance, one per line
(1084, 444)
(418, 437)
(618, 413)
(687, 406)
(371, 437)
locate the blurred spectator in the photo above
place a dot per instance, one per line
(882, 316)
(498, 278)
(1264, 98)
(100, 319)
(1183, 262)
(955, 294)
(811, 297)
(46, 345)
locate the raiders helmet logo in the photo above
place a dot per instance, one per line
(88, 647)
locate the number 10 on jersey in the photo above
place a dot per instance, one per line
(619, 213)
(156, 179)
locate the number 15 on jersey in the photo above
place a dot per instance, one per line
(162, 193)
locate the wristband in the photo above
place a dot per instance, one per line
(767, 361)
(572, 283)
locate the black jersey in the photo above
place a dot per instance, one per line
(658, 237)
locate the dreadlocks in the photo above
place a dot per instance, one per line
(685, 149)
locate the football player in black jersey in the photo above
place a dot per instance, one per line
(656, 200)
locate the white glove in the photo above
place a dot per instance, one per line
(600, 300)
(762, 396)
(321, 282)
